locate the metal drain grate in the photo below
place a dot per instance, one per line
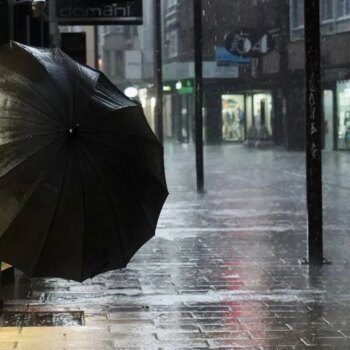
(41, 319)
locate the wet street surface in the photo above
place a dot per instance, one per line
(221, 273)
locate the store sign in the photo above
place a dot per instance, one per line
(211, 70)
(184, 87)
(249, 43)
(106, 12)
(226, 58)
(176, 71)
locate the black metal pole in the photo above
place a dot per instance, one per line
(96, 46)
(158, 70)
(54, 32)
(4, 21)
(198, 67)
(314, 131)
(42, 31)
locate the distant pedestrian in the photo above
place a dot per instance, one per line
(347, 137)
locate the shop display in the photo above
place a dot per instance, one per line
(233, 118)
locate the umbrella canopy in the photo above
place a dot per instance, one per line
(82, 178)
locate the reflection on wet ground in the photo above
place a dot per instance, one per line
(222, 272)
(41, 319)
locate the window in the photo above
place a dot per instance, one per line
(334, 15)
(112, 63)
(326, 10)
(343, 92)
(173, 40)
(343, 8)
(172, 3)
(297, 13)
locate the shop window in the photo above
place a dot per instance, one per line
(233, 118)
(328, 135)
(297, 13)
(343, 8)
(327, 12)
(335, 17)
(173, 43)
(262, 111)
(343, 97)
(112, 63)
(171, 3)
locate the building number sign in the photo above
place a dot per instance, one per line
(249, 43)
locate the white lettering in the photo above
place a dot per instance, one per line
(93, 12)
(90, 12)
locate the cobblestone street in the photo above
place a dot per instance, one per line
(222, 271)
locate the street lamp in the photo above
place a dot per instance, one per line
(131, 92)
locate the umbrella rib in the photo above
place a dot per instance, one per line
(115, 221)
(110, 98)
(88, 100)
(73, 86)
(30, 137)
(54, 213)
(104, 113)
(42, 64)
(127, 156)
(49, 117)
(26, 120)
(84, 109)
(156, 143)
(26, 159)
(84, 211)
(132, 193)
(63, 55)
(34, 188)
(33, 86)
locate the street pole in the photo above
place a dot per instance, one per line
(314, 132)
(54, 34)
(198, 82)
(5, 21)
(96, 46)
(158, 110)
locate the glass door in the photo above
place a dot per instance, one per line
(263, 111)
(233, 118)
(328, 120)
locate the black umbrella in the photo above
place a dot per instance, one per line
(82, 178)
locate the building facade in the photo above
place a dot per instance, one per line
(126, 56)
(268, 90)
(335, 29)
(238, 93)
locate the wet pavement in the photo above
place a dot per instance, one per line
(222, 272)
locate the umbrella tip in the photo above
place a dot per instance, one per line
(73, 130)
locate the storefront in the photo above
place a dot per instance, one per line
(178, 110)
(343, 115)
(233, 118)
(242, 111)
(336, 112)
(148, 101)
(328, 111)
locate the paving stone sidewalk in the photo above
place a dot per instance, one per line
(222, 272)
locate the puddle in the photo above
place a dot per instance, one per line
(41, 319)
